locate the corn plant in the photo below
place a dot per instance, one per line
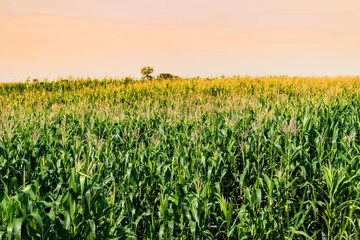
(211, 158)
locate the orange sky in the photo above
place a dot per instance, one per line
(54, 38)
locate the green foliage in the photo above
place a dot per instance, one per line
(241, 158)
(128, 80)
(166, 76)
(146, 73)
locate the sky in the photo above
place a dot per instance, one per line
(116, 38)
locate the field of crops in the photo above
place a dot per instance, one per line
(222, 158)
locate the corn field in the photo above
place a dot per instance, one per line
(202, 158)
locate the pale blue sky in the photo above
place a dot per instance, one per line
(52, 38)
